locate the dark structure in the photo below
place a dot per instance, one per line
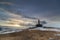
(39, 24)
(0, 29)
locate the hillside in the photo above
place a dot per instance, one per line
(30, 35)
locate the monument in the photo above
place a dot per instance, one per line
(39, 24)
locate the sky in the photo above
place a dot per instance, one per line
(27, 11)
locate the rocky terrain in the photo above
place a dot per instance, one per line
(31, 35)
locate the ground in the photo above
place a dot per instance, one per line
(31, 35)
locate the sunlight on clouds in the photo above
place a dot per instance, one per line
(15, 20)
(5, 23)
(16, 23)
(20, 22)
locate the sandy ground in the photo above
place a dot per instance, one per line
(31, 35)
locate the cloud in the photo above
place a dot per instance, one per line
(8, 3)
(12, 19)
(14, 9)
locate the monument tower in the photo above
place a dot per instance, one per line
(39, 24)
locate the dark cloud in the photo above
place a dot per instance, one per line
(42, 8)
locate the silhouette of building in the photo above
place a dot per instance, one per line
(39, 24)
(0, 29)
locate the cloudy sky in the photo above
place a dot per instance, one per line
(17, 12)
